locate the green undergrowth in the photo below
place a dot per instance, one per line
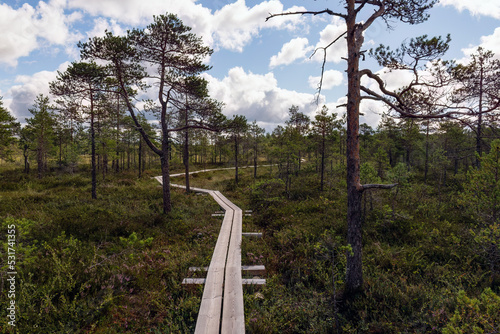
(422, 273)
(115, 264)
(111, 265)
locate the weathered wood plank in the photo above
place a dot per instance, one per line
(233, 315)
(244, 281)
(189, 281)
(254, 281)
(252, 234)
(211, 303)
(247, 270)
(254, 270)
(223, 275)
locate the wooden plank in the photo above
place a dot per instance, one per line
(209, 314)
(244, 281)
(248, 270)
(254, 281)
(252, 234)
(254, 270)
(188, 281)
(223, 276)
(233, 315)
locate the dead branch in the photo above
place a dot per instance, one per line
(325, 11)
(320, 85)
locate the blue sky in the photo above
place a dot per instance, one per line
(259, 68)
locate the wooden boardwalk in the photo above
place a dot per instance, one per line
(221, 309)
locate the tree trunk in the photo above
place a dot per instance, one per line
(354, 272)
(26, 161)
(186, 151)
(165, 173)
(426, 171)
(116, 162)
(322, 163)
(479, 121)
(92, 143)
(39, 161)
(186, 158)
(60, 151)
(236, 159)
(139, 158)
(255, 167)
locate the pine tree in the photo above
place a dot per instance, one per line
(41, 127)
(8, 129)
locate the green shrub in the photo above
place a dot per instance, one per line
(473, 315)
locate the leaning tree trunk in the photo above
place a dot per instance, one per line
(354, 272)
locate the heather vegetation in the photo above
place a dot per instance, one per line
(115, 264)
(386, 229)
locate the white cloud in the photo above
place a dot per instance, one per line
(236, 24)
(258, 97)
(490, 42)
(52, 23)
(24, 29)
(331, 32)
(231, 27)
(297, 48)
(476, 7)
(370, 110)
(102, 24)
(23, 95)
(331, 78)
(18, 37)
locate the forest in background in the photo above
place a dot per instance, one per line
(101, 249)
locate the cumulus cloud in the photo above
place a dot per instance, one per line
(370, 110)
(297, 48)
(102, 24)
(331, 78)
(258, 97)
(18, 37)
(231, 27)
(24, 93)
(483, 7)
(331, 32)
(490, 42)
(236, 24)
(26, 28)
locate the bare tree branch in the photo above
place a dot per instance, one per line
(378, 13)
(325, 11)
(320, 85)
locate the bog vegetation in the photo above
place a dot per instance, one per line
(101, 247)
